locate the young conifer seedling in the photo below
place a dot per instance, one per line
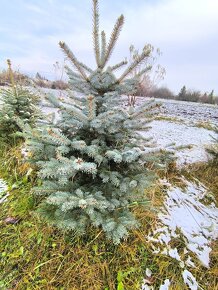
(92, 161)
(17, 104)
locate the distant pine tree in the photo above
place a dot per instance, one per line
(38, 76)
(93, 164)
(211, 99)
(182, 94)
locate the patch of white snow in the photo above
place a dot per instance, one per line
(190, 280)
(147, 287)
(166, 285)
(173, 253)
(192, 139)
(3, 193)
(148, 272)
(196, 221)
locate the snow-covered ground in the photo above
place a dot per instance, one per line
(184, 216)
(181, 128)
(193, 139)
(189, 111)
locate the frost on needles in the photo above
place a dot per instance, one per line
(91, 160)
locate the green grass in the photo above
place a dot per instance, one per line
(34, 255)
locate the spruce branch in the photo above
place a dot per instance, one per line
(91, 107)
(143, 71)
(148, 107)
(81, 86)
(74, 60)
(139, 59)
(119, 65)
(103, 46)
(88, 69)
(77, 113)
(69, 102)
(59, 138)
(113, 39)
(96, 32)
(71, 73)
(75, 98)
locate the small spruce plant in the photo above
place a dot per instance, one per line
(16, 104)
(93, 163)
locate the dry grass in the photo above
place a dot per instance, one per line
(18, 77)
(207, 173)
(206, 125)
(168, 118)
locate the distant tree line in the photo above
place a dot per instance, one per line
(184, 95)
(148, 86)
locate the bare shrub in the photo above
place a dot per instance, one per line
(19, 78)
(59, 85)
(151, 75)
(162, 92)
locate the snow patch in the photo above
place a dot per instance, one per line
(192, 139)
(148, 272)
(147, 287)
(189, 112)
(166, 285)
(196, 221)
(190, 280)
(3, 193)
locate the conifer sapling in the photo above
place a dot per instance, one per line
(18, 104)
(91, 159)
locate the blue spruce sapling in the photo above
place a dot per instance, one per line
(17, 104)
(91, 159)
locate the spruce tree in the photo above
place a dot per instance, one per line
(182, 96)
(211, 97)
(17, 104)
(93, 163)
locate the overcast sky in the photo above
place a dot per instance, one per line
(186, 31)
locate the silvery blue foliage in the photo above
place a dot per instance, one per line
(17, 104)
(92, 161)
